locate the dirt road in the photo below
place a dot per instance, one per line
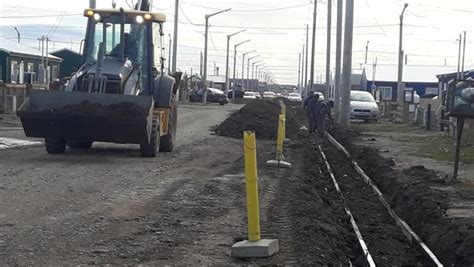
(108, 205)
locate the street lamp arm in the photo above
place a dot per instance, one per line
(241, 43)
(235, 33)
(218, 12)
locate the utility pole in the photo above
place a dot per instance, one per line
(169, 53)
(227, 84)
(299, 70)
(92, 4)
(200, 66)
(366, 52)
(206, 34)
(175, 36)
(302, 72)
(243, 66)
(235, 66)
(459, 57)
(400, 60)
(47, 68)
(463, 55)
(18, 34)
(311, 75)
(337, 78)
(347, 64)
(328, 51)
(306, 64)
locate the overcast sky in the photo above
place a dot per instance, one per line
(275, 28)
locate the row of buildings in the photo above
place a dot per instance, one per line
(23, 64)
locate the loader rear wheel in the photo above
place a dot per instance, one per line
(167, 141)
(79, 144)
(150, 149)
(55, 146)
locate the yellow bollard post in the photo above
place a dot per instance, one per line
(254, 246)
(280, 137)
(251, 182)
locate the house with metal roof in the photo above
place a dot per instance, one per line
(422, 79)
(23, 64)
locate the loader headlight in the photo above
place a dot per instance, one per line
(139, 19)
(89, 13)
(147, 16)
(97, 17)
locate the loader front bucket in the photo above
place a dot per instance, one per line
(85, 116)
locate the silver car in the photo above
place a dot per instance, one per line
(363, 106)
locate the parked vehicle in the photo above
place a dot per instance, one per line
(238, 94)
(321, 95)
(363, 106)
(269, 95)
(250, 95)
(213, 96)
(294, 97)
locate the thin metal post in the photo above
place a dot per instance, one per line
(460, 128)
(366, 52)
(169, 54)
(299, 70)
(337, 78)
(400, 60)
(306, 64)
(328, 51)
(302, 72)
(347, 64)
(204, 65)
(175, 36)
(313, 45)
(463, 55)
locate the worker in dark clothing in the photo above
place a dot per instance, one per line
(322, 111)
(306, 101)
(311, 109)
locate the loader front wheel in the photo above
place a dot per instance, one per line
(167, 141)
(150, 149)
(55, 146)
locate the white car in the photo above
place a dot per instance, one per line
(250, 95)
(269, 94)
(294, 97)
(363, 106)
(321, 95)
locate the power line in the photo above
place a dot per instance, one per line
(250, 10)
(39, 16)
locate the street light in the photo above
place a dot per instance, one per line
(235, 63)
(227, 60)
(256, 74)
(18, 34)
(400, 59)
(253, 67)
(248, 64)
(243, 66)
(204, 76)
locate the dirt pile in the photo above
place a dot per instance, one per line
(260, 116)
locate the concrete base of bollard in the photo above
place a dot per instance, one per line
(279, 163)
(255, 249)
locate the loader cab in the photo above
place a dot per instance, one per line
(125, 47)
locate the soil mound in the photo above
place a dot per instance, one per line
(260, 116)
